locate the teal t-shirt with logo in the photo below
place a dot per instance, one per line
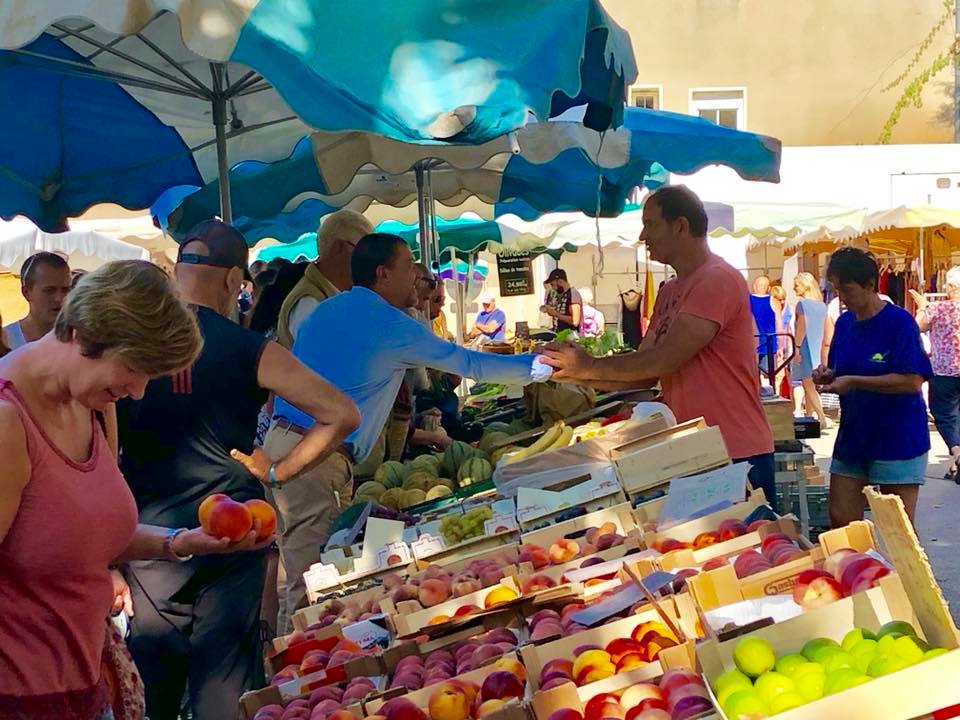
(879, 426)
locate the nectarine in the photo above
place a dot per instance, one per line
(228, 519)
(262, 510)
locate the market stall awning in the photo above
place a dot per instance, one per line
(900, 230)
(117, 100)
(559, 165)
(85, 249)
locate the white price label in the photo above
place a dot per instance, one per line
(323, 576)
(499, 524)
(427, 545)
(395, 553)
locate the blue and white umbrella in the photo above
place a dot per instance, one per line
(548, 166)
(256, 75)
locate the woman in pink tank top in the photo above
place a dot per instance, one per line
(66, 513)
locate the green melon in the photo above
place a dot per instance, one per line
(419, 480)
(426, 461)
(491, 439)
(430, 466)
(438, 491)
(518, 426)
(474, 470)
(497, 426)
(392, 498)
(390, 474)
(412, 497)
(370, 490)
(454, 456)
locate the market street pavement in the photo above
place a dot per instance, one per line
(937, 525)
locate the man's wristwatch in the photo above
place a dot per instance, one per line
(168, 550)
(272, 481)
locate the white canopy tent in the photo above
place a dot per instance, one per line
(83, 249)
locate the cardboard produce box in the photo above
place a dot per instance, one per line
(620, 515)
(568, 695)
(411, 618)
(907, 693)
(535, 657)
(421, 698)
(684, 449)
(911, 595)
(716, 588)
(688, 531)
(779, 412)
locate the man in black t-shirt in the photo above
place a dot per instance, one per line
(196, 623)
(567, 313)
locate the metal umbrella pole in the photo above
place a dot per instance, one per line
(423, 216)
(433, 238)
(220, 128)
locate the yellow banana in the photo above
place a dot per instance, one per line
(546, 440)
(566, 434)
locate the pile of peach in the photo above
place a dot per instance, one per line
(326, 703)
(460, 699)
(549, 623)
(775, 549)
(845, 573)
(414, 672)
(436, 585)
(496, 596)
(592, 662)
(726, 530)
(680, 695)
(340, 654)
(595, 539)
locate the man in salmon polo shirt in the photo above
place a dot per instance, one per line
(700, 347)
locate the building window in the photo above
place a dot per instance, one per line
(723, 106)
(646, 96)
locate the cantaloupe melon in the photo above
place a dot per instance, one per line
(425, 462)
(392, 498)
(419, 481)
(438, 491)
(491, 439)
(412, 497)
(474, 470)
(370, 490)
(390, 474)
(454, 456)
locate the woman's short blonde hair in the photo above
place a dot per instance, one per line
(811, 288)
(778, 293)
(131, 308)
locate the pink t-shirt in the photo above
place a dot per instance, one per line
(944, 320)
(55, 588)
(721, 383)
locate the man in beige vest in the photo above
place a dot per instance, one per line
(307, 507)
(327, 275)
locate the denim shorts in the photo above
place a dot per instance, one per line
(884, 472)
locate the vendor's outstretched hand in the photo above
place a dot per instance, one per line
(198, 542)
(569, 361)
(822, 375)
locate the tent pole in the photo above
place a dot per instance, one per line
(425, 245)
(432, 216)
(220, 127)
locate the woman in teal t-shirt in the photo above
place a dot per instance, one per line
(877, 366)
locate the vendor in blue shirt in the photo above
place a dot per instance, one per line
(877, 366)
(491, 322)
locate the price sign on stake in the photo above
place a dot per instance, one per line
(696, 495)
(499, 523)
